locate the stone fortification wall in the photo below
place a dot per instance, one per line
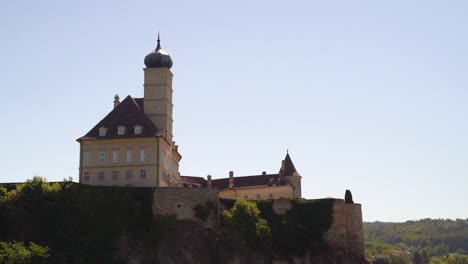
(182, 203)
(346, 232)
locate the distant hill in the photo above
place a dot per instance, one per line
(423, 241)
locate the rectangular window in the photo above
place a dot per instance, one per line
(120, 130)
(129, 156)
(115, 156)
(102, 131)
(143, 174)
(138, 130)
(87, 157)
(115, 175)
(101, 176)
(102, 157)
(129, 175)
(86, 176)
(142, 154)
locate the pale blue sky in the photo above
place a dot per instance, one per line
(367, 95)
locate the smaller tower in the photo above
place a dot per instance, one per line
(290, 174)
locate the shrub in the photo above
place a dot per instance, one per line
(245, 217)
(17, 253)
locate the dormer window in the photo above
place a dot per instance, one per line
(138, 130)
(121, 130)
(102, 131)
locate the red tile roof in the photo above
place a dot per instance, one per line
(128, 113)
(239, 182)
(194, 181)
(287, 169)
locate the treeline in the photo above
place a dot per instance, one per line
(419, 242)
(43, 222)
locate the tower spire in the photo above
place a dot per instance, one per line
(159, 44)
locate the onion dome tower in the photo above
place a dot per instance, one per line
(158, 91)
(158, 58)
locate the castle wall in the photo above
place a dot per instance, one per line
(346, 232)
(355, 229)
(258, 192)
(182, 201)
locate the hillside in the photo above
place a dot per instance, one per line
(426, 241)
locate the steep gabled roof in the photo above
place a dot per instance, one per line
(128, 113)
(287, 167)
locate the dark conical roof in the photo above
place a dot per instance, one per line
(158, 58)
(287, 167)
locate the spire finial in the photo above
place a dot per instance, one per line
(287, 151)
(159, 45)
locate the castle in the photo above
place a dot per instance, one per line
(133, 146)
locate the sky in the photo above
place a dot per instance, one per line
(369, 96)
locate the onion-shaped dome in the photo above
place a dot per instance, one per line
(158, 58)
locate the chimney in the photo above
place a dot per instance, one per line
(263, 172)
(116, 100)
(208, 181)
(231, 179)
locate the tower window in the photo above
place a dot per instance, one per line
(86, 176)
(121, 130)
(129, 175)
(129, 156)
(142, 154)
(115, 156)
(138, 130)
(143, 174)
(101, 176)
(102, 157)
(102, 131)
(87, 157)
(115, 175)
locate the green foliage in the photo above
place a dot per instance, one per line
(16, 253)
(300, 229)
(376, 248)
(245, 217)
(452, 258)
(202, 211)
(429, 241)
(79, 224)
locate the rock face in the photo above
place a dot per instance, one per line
(191, 243)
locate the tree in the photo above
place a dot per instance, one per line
(245, 217)
(417, 259)
(348, 197)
